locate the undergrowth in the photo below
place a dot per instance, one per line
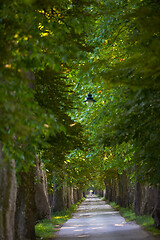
(146, 221)
(46, 228)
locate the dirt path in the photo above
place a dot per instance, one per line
(96, 220)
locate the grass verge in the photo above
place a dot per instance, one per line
(146, 221)
(46, 228)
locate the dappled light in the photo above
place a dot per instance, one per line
(99, 225)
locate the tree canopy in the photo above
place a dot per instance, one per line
(52, 54)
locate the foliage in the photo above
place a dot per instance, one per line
(35, 34)
(132, 131)
(129, 48)
(54, 52)
(126, 59)
(79, 169)
(55, 94)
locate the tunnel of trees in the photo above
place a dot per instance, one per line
(52, 146)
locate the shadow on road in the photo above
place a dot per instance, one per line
(94, 219)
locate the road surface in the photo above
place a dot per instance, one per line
(96, 220)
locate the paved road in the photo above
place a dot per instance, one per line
(96, 220)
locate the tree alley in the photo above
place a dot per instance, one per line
(52, 54)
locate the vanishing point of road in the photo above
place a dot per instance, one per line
(96, 220)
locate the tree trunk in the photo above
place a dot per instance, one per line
(122, 198)
(69, 197)
(30, 204)
(65, 197)
(58, 200)
(156, 211)
(26, 208)
(131, 192)
(114, 187)
(20, 213)
(110, 198)
(8, 193)
(107, 192)
(79, 194)
(75, 195)
(137, 198)
(72, 196)
(148, 202)
(41, 194)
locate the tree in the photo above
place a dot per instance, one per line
(127, 40)
(31, 39)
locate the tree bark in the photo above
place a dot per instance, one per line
(107, 192)
(114, 187)
(65, 197)
(122, 198)
(148, 199)
(75, 195)
(137, 198)
(58, 200)
(26, 208)
(69, 197)
(156, 211)
(30, 204)
(72, 197)
(79, 194)
(8, 193)
(20, 213)
(110, 196)
(41, 194)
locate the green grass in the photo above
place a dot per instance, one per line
(114, 205)
(46, 228)
(102, 198)
(146, 221)
(128, 214)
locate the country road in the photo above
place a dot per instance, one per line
(96, 220)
